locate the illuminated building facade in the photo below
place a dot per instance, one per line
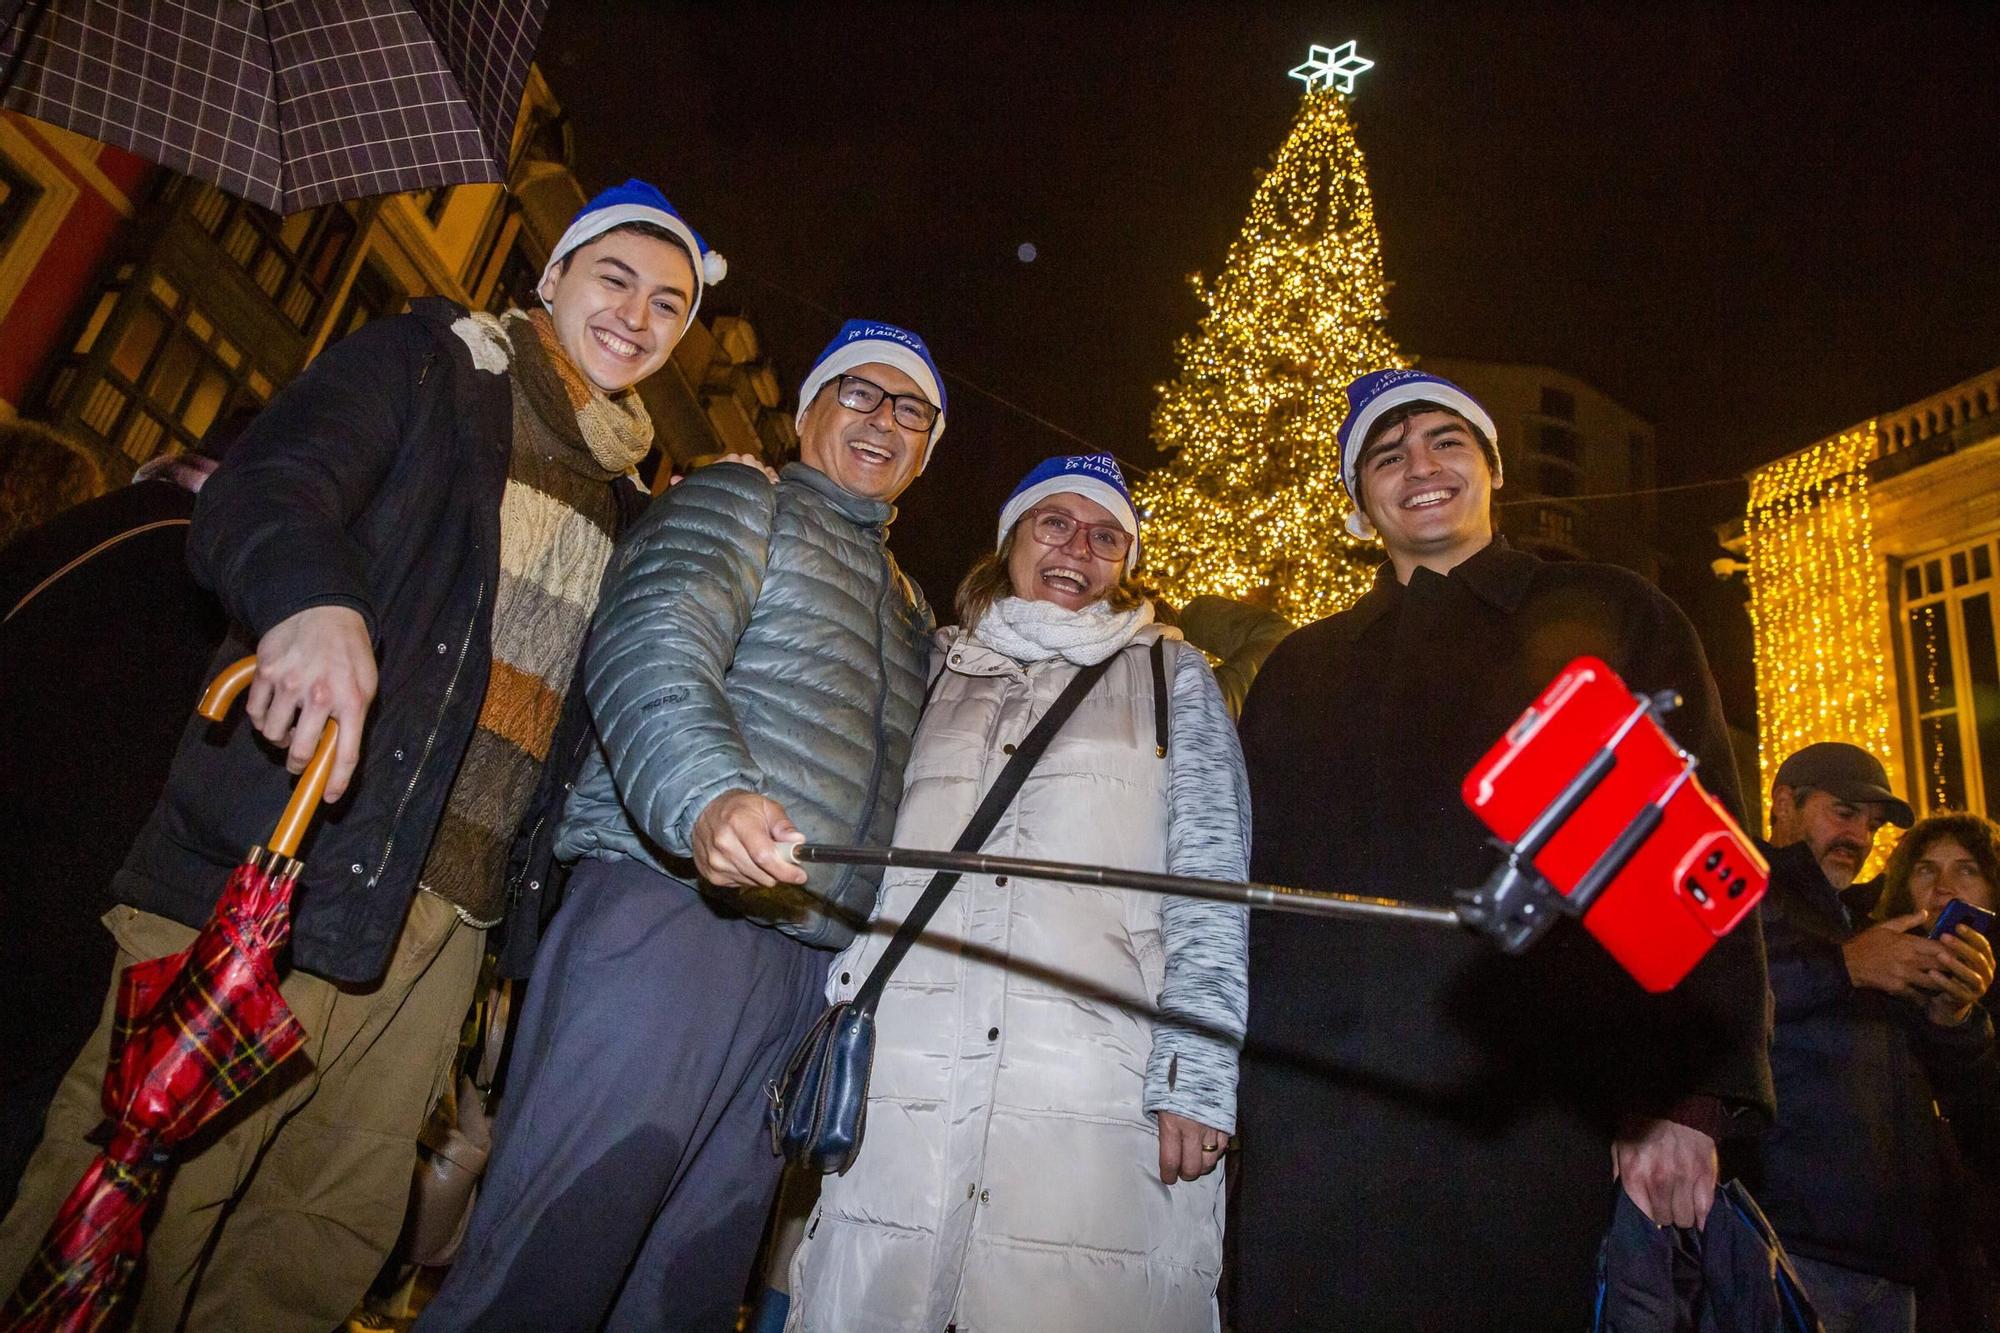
(1874, 571)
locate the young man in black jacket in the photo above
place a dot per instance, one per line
(1876, 1028)
(1430, 1127)
(412, 537)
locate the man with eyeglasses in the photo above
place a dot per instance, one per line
(755, 674)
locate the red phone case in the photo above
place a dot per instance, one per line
(1686, 886)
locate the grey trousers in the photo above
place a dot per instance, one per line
(632, 1173)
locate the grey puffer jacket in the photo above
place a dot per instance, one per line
(758, 637)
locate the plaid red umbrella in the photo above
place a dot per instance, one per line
(287, 103)
(194, 1031)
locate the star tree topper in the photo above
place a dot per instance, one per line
(1330, 67)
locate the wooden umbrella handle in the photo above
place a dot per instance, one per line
(306, 796)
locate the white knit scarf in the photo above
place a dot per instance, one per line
(1036, 631)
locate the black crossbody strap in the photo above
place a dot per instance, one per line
(1160, 700)
(976, 832)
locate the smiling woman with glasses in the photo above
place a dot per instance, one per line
(1054, 1083)
(911, 411)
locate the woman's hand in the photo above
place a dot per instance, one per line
(1189, 1149)
(1966, 975)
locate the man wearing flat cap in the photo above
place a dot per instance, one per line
(1876, 1026)
(1430, 1127)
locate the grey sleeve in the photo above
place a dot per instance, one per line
(683, 586)
(1205, 1001)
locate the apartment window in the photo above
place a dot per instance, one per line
(1558, 403)
(1952, 696)
(517, 282)
(373, 295)
(432, 203)
(293, 260)
(18, 193)
(1560, 442)
(168, 375)
(1557, 479)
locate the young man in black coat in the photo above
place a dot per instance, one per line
(1430, 1128)
(1876, 1028)
(412, 537)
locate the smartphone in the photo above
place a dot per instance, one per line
(1693, 879)
(1959, 912)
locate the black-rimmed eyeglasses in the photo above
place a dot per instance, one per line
(911, 411)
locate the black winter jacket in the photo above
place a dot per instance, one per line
(1851, 1173)
(1418, 1111)
(374, 482)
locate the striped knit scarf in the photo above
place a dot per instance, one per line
(557, 521)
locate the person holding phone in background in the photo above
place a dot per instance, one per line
(1944, 859)
(1876, 1029)
(1946, 867)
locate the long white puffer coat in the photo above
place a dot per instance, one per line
(1009, 1176)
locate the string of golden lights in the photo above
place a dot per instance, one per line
(1249, 504)
(1818, 610)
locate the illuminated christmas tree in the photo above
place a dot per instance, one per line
(1249, 502)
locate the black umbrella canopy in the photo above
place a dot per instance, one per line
(288, 103)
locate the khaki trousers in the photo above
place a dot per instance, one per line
(281, 1222)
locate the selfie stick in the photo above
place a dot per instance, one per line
(1278, 897)
(1515, 906)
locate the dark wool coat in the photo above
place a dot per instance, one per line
(1425, 1121)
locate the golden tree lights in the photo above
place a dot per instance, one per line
(1249, 503)
(1818, 609)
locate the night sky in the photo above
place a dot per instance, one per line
(1753, 225)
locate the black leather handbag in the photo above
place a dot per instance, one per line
(819, 1104)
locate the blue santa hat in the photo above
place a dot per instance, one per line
(861, 341)
(1093, 476)
(636, 201)
(1377, 392)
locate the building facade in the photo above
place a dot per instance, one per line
(1874, 570)
(139, 309)
(1562, 439)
